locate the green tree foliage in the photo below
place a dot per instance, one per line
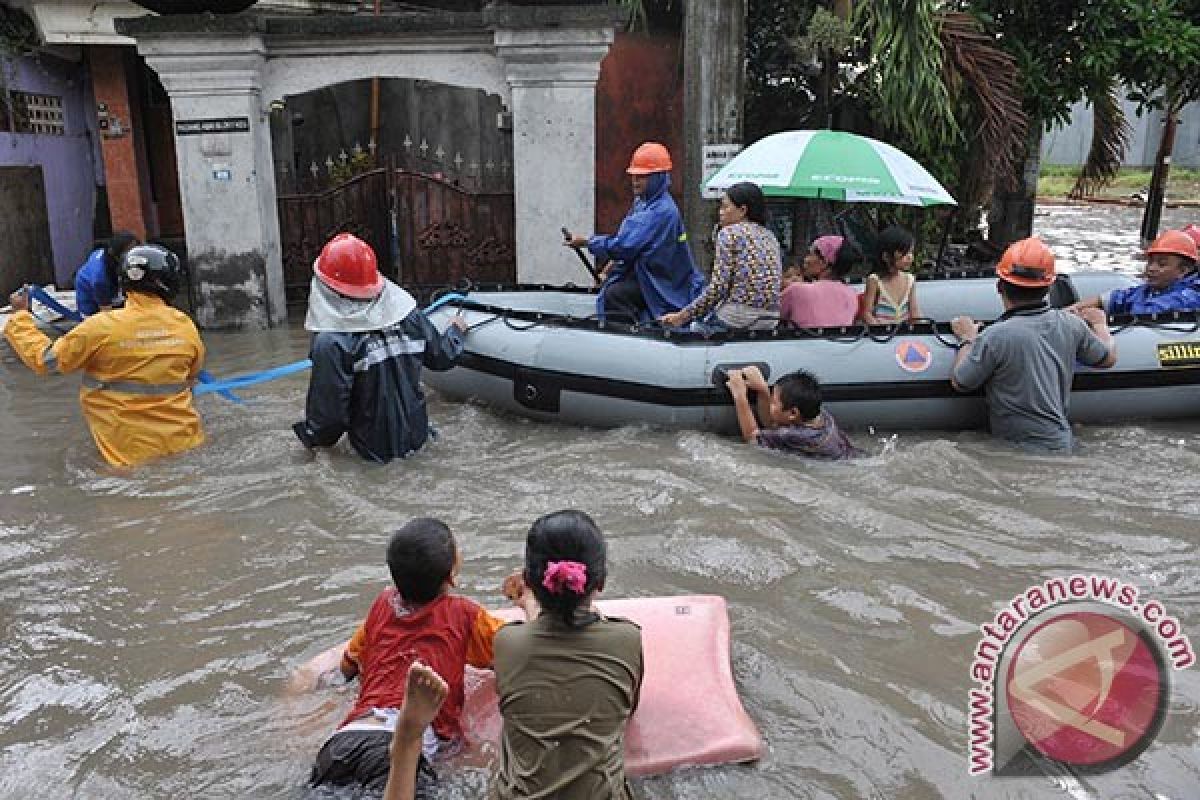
(781, 84)
(927, 78)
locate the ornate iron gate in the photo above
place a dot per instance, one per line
(426, 230)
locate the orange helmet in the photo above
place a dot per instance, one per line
(648, 158)
(1175, 243)
(347, 265)
(1027, 263)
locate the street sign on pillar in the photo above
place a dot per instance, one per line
(715, 157)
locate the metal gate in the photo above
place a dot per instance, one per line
(425, 230)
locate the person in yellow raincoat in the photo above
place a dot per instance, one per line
(138, 362)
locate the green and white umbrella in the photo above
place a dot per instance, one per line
(832, 165)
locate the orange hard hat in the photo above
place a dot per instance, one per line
(1176, 243)
(649, 157)
(1027, 263)
(347, 265)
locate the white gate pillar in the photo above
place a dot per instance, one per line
(226, 175)
(553, 73)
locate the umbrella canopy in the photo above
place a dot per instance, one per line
(832, 165)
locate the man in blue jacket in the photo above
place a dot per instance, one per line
(652, 272)
(370, 344)
(96, 281)
(1170, 281)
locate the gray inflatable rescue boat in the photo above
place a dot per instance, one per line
(541, 352)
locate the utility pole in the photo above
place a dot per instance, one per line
(375, 99)
(1158, 179)
(714, 77)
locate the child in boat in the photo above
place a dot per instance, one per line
(418, 618)
(792, 410)
(891, 291)
(568, 680)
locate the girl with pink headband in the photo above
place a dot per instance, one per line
(569, 679)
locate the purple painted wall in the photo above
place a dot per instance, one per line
(71, 164)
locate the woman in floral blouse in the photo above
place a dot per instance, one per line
(743, 290)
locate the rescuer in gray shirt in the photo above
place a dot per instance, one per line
(1026, 359)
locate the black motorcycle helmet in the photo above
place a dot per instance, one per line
(152, 269)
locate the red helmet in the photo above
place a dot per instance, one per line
(347, 265)
(1027, 263)
(1175, 243)
(648, 158)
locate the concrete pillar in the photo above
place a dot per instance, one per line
(714, 77)
(126, 170)
(226, 176)
(553, 74)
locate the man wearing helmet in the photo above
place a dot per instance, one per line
(370, 344)
(652, 272)
(1026, 359)
(139, 362)
(1171, 283)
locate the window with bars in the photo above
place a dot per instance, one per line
(28, 112)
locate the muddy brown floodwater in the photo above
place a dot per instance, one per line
(151, 618)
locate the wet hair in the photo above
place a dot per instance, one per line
(564, 536)
(848, 257)
(420, 557)
(891, 240)
(749, 196)
(1022, 295)
(114, 252)
(800, 390)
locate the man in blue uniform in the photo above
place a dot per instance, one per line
(652, 272)
(1171, 284)
(96, 281)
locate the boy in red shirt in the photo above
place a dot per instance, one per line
(417, 619)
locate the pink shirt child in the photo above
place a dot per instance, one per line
(820, 304)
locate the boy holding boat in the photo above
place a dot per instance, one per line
(792, 413)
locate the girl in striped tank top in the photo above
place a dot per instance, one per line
(891, 292)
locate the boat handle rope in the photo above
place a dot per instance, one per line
(253, 378)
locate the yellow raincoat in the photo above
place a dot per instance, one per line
(138, 363)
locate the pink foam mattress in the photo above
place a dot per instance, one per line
(689, 714)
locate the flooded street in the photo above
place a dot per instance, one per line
(151, 618)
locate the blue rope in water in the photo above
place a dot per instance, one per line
(253, 378)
